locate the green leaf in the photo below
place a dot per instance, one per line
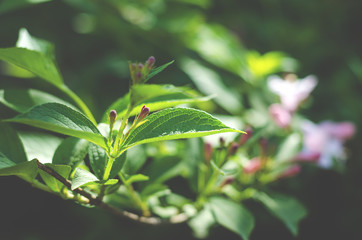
(232, 216)
(54, 184)
(21, 100)
(9, 5)
(218, 46)
(155, 97)
(83, 177)
(289, 148)
(40, 145)
(71, 151)
(34, 62)
(62, 119)
(25, 170)
(175, 123)
(11, 145)
(27, 41)
(210, 83)
(164, 168)
(157, 70)
(286, 208)
(136, 178)
(98, 161)
(135, 159)
(223, 172)
(202, 222)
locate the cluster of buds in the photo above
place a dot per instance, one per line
(139, 71)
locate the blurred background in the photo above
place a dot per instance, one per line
(94, 40)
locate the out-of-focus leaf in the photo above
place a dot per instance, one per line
(202, 222)
(232, 216)
(219, 47)
(286, 208)
(136, 178)
(25, 170)
(27, 41)
(34, 62)
(289, 148)
(62, 119)
(40, 145)
(210, 83)
(21, 100)
(136, 157)
(9, 5)
(175, 123)
(164, 168)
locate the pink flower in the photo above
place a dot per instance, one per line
(280, 115)
(326, 139)
(291, 171)
(252, 166)
(292, 91)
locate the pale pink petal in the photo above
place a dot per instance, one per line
(280, 115)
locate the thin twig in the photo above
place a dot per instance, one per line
(93, 200)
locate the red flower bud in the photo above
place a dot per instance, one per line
(143, 114)
(233, 148)
(290, 172)
(150, 62)
(112, 116)
(228, 180)
(207, 152)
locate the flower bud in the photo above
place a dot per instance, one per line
(140, 66)
(112, 116)
(228, 180)
(150, 62)
(208, 152)
(222, 142)
(290, 172)
(245, 137)
(233, 148)
(307, 157)
(143, 114)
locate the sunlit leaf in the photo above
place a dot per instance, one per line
(34, 62)
(62, 119)
(40, 145)
(176, 123)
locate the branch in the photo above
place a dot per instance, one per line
(93, 200)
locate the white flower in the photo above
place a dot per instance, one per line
(292, 91)
(326, 139)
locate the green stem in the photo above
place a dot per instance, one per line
(135, 196)
(108, 168)
(79, 102)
